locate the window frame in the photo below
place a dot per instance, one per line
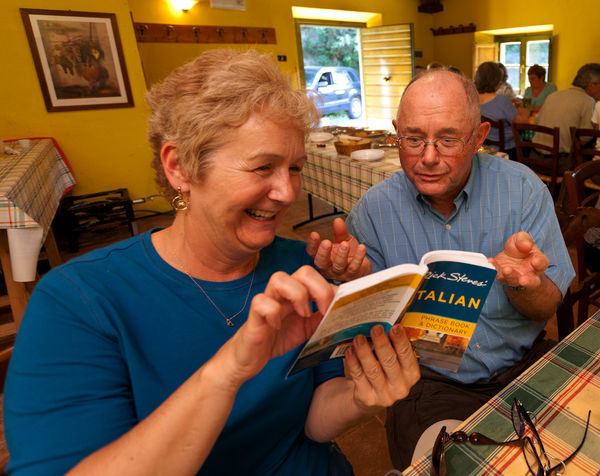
(524, 39)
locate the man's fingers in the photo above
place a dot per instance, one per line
(312, 243)
(355, 264)
(340, 231)
(340, 259)
(322, 257)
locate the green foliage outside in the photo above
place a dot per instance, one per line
(329, 46)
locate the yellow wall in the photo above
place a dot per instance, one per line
(160, 58)
(105, 147)
(576, 36)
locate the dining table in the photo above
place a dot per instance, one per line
(341, 180)
(558, 391)
(34, 175)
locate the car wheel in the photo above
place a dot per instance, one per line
(355, 110)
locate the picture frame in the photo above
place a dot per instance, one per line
(78, 59)
(228, 4)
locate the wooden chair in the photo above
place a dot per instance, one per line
(545, 167)
(580, 205)
(499, 125)
(582, 150)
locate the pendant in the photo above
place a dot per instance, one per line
(229, 322)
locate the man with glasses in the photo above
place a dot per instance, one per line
(449, 196)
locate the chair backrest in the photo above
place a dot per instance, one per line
(582, 144)
(499, 125)
(579, 195)
(540, 157)
(580, 204)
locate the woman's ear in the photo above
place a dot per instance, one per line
(170, 161)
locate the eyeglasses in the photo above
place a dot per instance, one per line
(536, 457)
(438, 453)
(448, 146)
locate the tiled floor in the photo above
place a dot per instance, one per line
(365, 445)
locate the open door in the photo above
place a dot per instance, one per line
(387, 54)
(484, 52)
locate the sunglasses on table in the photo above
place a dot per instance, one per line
(536, 457)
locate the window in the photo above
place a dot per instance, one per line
(519, 53)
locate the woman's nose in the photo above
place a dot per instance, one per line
(283, 188)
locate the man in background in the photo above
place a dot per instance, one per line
(571, 107)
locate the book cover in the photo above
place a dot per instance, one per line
(438, 302)
(443, 314)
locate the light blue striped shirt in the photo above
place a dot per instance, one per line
(500, 198)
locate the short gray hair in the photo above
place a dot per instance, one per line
(588, 73)
(447, 74)
(201, 102)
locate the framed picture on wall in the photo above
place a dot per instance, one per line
(228, 4)
(78, 58)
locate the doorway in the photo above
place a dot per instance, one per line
(330, 65)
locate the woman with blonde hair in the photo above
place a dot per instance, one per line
(167, 353)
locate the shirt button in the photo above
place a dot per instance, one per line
(447, 226)
(478, 346)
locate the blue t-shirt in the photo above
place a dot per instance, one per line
(500, 198)
(500, 108)
(107, 337)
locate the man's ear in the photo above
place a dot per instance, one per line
(170, 161)
(395, 124)
(483, 130)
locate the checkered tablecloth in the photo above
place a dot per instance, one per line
(559, 389)
(32, 183)
(340, 180)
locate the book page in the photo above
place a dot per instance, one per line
(358, 306)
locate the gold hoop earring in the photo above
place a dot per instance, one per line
(178, 203)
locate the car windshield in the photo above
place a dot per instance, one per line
(309, 74)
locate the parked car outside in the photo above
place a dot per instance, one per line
(337, 88)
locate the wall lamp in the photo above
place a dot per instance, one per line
(183, 5)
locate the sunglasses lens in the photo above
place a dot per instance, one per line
(438, 460)
(531, 457)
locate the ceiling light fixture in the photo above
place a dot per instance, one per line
(183, 5)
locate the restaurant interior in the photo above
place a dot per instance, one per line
(106, 147)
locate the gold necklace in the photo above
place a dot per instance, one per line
(227, 319)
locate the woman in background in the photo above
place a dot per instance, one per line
(505, 88)
(539, 89)
(167, 353)
(488, 79)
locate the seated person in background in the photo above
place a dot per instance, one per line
(592, 239)
(167, 353)
(449, 196)
(505, 88)
(539, 89)
(488, 78)
(571, 107)
(596, 121)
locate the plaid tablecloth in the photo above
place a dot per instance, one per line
(32, 183)
(340, 180)
(559, 389)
